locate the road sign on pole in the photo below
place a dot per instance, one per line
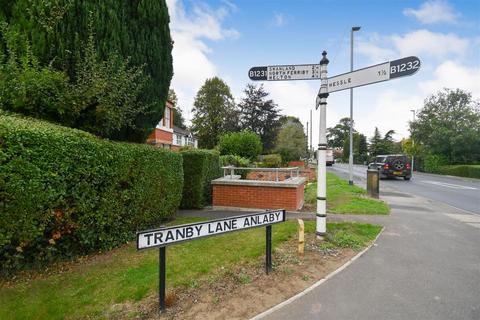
(373, 74)
(285, 72)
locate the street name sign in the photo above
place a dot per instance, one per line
(285, 72)
(373, 74)
(162, 237)
(167, 236)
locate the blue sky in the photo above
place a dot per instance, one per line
(225, 38)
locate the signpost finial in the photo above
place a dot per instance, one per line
(324, 59)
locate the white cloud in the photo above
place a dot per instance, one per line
(278, 20)
(433, 12)
(452, 75)
(189, 30)
(437, 45)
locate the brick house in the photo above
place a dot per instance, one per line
(166, 135)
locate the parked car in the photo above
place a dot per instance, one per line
(392, 165)
(329, 157)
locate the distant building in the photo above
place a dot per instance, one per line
(168, 136)
(182, 138)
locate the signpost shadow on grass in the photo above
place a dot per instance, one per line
(163, 237)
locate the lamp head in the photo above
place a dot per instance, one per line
(355, 28)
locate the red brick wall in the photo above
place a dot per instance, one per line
(300, 164)
(161, 136)
(258, 197)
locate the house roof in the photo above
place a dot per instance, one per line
(181, 131)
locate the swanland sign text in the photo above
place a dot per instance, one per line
(167, 236)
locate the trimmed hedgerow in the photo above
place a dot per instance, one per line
(64, 192)
(461, 170)
(200, 167)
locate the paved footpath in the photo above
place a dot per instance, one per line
(425, 265)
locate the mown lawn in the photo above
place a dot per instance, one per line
(344, 198)
(93, 286)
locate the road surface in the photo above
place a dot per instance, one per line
(458, 192)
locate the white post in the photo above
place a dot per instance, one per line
(413, 147)
(321, 102)
(350, 156)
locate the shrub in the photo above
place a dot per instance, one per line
(236, 161)
(200, 167)
(245, 144)
(469, 171)
(433, 163)
(272, 161)
(64, 192)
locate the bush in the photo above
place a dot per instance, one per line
(200, 167)
(236, 161)
(64, 192)
(433, 163)
(469, 171)
(272, 161)
(244, 144)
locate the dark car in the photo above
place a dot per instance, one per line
(392, 165)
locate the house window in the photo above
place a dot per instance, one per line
(167, 117)
(178, 139)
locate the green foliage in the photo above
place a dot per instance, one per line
(64, 192)
(259, 115)
(449, 125)
(385, 145)
(433, 162)
(234, 160)
(272, 160)
(291, 141)
(213, 112)
(337, 135)
(133, 32)
(178, 119)
(244, 144)
(360, 148)
(200, 167)
(463, 170)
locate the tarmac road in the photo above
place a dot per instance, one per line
(459, 192)
(425, 265)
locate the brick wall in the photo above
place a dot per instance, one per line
(261, 197)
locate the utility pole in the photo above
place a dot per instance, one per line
(308, 146)
(321, 102)
(350, 158)
(413, 146)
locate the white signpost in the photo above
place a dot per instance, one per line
(361, 77)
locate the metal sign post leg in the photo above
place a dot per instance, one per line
(161, 278)
(268, 253)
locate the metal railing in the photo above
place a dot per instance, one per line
(230, 171)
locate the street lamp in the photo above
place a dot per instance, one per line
(413, 145)
(350, 158)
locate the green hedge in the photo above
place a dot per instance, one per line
(469, 171)
(64, 192)
(200, 167)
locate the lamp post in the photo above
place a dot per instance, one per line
(413, 145)
(350, 158)
(321, 228)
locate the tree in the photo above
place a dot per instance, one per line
(291, 141)
(178, 119)
(259, 115)
(449, 126)
(136, 31)
(385, 145)
(245, 144)
(337, 135)
(360, 148)
(213, 108)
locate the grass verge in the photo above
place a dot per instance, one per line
(344, 198)
(90, 288)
